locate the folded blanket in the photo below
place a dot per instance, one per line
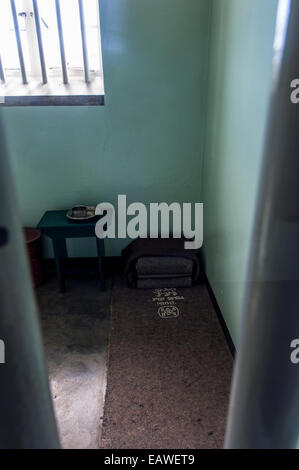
(162, 283)
(164, 265)
(157, 247)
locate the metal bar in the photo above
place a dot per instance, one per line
(19, 42)
(2, 75)
(27, 418)
(40, 41)
(265, 394)
(84, 42)
(61, 42)
(99, 35)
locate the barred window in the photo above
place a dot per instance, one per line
(50, 53)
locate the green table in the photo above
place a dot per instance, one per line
(58, 227)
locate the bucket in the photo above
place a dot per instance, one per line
(34, 249)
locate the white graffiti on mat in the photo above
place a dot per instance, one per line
(168, 312)
(165, 299)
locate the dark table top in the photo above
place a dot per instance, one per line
(55, 224)
(52, 219)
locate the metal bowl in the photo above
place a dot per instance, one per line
(76, 213)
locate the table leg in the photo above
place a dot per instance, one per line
(60, 252)
(101, 253)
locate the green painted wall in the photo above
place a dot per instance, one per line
(239, 88)
(147, 140)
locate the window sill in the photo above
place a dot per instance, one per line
(54, 93)
(53, 100)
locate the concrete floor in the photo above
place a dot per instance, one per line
(75, 330)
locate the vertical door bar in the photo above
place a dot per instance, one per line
(2, 75)
(27, 418)
(84, 42)
(264, 404)
(19, 42)
(40, 41)
(61, 42)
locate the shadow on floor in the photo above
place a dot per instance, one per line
(75, 328)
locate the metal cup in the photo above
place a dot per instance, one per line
(79, 211)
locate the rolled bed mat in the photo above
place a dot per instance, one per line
(156, 247)
(164, 265)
